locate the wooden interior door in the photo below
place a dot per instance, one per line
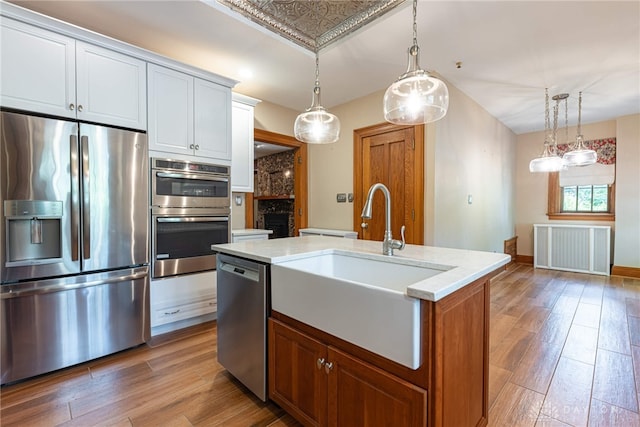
(394, 156)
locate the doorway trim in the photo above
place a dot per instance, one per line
(418, 196)
(300, 178)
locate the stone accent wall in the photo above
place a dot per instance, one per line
(275, 178)
(275, 174)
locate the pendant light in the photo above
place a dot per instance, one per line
(316, 125)
(416, 97)
(580, 155)
(549, 161)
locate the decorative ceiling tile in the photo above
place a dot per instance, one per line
(313, 24)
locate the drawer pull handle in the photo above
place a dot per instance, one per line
(171, 312)
(320, 363)
(328, 367)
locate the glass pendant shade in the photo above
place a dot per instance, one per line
(316, 125)
(548, 161)
(416, 97)
(580, 155)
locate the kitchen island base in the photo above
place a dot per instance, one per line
(322, 380)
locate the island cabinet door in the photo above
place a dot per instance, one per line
(297, 378)
(363, 395)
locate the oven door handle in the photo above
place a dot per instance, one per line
(194, 219)
(191, 176)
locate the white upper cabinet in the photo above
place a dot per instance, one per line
(212, 134)
(188, 115)
(49, 73)
(37, 70)
(111, 87)
(170, 110)
(242, 109)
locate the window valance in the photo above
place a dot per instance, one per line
(601, 173)
(605, 148)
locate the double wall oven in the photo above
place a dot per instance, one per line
(190, 211)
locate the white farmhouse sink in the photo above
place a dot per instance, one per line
(357, 297)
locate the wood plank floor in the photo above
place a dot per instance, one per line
(565, 351)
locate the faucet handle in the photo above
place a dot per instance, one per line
(397, 244)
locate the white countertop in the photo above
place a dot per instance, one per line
(249, 231)
(467, 265)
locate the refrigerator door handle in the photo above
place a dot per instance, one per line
(86, 202)
(75, 221)
(48, 286)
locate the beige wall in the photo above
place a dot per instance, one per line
(531, 194)
(627, 241)
(274, 118)
(474, 156)
(331, 165)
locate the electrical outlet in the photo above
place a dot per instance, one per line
(350, 197)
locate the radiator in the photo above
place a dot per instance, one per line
(580, 248)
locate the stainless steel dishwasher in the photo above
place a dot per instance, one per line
(243, 303)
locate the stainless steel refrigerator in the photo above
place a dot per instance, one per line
(73, 243)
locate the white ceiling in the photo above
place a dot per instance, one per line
(510, 51)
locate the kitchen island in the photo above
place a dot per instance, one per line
(323, 374)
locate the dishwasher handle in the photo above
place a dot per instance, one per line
(242, 271)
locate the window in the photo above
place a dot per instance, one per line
(587, 192)
(585, 198)
(580, 202)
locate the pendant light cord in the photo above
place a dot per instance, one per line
(317, 68)
(547, 123)
(566, 121)
(579, 113)
(415, 23)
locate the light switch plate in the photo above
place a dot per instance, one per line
(350, 197)
(341, 197)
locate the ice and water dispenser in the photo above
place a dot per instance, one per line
(33, 232)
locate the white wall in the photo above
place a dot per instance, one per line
(532, 188)
(627, 241)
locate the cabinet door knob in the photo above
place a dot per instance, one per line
(328, 367)
(80, 107)
(197, 147)
(364, 225)
(71, 106)
(320, 363)
(191, 146)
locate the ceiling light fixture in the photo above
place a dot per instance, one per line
(549, 161)
(580, 155)
(416, 97)
(316, 125)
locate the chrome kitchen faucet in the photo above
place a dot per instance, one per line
(388, 244)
